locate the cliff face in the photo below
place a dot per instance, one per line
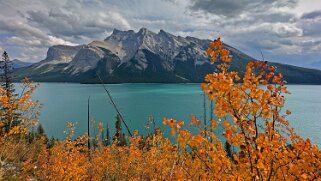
(61, 54)
(143, 56)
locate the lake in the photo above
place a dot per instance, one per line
(62, 102)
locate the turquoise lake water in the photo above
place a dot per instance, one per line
(62, 102)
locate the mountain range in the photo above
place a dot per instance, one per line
(16, 64)
(142, 57)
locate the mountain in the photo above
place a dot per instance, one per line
(19, 64)
(143, 56)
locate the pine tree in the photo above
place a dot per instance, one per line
(107, 138)
(119, 136)
(228, 150)
(9, 109)
(40, 130)
(6, 71)
(41, 133)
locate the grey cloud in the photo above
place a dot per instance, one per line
(311, 46)
(312, 29)
(311, 24)
(311, 15)
(20, 28)
(76, 19)
(26, 35)
(254, 25)
(32, 54)
(17, 41)
(233, 8)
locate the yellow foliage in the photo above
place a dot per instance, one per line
(265, 147)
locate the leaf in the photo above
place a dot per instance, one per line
(287, 112)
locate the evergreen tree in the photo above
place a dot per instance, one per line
(40, 130)
(123, 140)
(228, 150)
(9, 116)
(107, 139)
(6, 71)
(119, 136)
(41, 133)
(51, 142)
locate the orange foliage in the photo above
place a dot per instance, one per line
(265, 147)
(15, 147)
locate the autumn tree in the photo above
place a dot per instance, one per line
(15, 147)
(254, 119)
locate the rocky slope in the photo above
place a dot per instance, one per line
(143, 56)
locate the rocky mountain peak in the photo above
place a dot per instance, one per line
(61, 53)
(164, 33)
(144, 31)
(115, 31)
(119, 35)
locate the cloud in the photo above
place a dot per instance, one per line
(58, 41)
(310, 22)
(76, 19)
(312, 15)
(14, 40)
(21, 28)
(30, 27)
(232, 8)
(31, 54)
(277, 30)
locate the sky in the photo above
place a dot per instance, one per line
(286, 31)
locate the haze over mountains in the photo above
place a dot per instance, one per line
(142, 57)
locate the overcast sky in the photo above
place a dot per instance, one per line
(287, 31)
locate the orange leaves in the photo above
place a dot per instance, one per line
(180, 124)
(195, 120)
(228, 133)
(287, 112)
(209, 51)
(216, 44)
(264, 82)
(270, 87)
(216, 50)
(225, 55)
(16, 130)
(226, 124)
(170, 122)
(284, 89)
(278, 79)
(228, 129)
(174, 126)
(213, 54)
(213, 124)
(198, 138)
(173, 132)
(256, 149)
